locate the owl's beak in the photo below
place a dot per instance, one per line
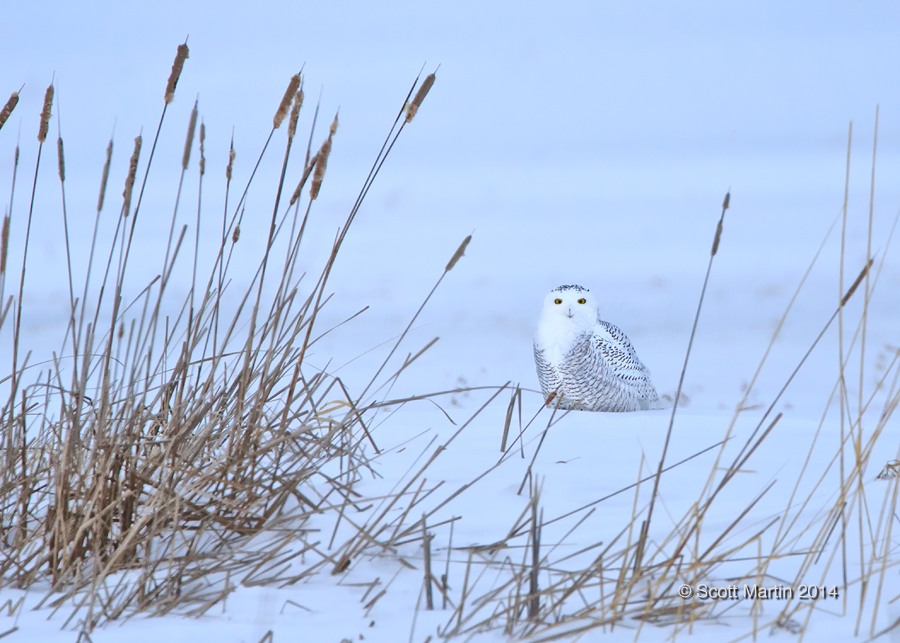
(570, 312)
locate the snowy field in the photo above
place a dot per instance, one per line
(591, 143)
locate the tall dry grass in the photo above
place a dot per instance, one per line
(160, 461)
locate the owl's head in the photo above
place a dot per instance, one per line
(572, 304)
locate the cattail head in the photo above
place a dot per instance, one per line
(236, 234)
(105, 177)
(189, 139)
(61, 158)
(282, 112)
(322, 161)
(202, 151)
(132, 172)
(121, 330)
(725, 203)
(319, 172)
(8, 108)
(295, 113)
(4, 244)
(715, 247)
(231, 155)
(180, 56)
(45, 114)
(309, 168)
(856, 283)
(458, 254)
(413, 108)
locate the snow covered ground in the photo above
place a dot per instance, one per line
(586, 143)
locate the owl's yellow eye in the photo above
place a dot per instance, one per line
(582, 301)
(557, 301)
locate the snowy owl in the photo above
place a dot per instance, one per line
(584, 363)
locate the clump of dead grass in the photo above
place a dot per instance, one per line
(153, 449)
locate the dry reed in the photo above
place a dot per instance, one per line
(61, 159)
(189, 138)
(202, 149)
(320, 163)
(289, 95)
(105, 176)
(228, 168)
(4, 244)
(413, 108)
(45, 114)
(295, 113)
(460, 251)
(177, 66)
(8, 108)
(132, 173)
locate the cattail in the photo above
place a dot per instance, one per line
(715, 247)
(132, 172)
(282, 112)
(413, 108)
(459, 253)
(45, 114)
(309, 168)
(319, 173)
(61, 159)
(177, 66)
(295, 113)
(856, 283)
(202, 154)
(237, 233)
(725, 205)
(189, 139)
(322, 161)
(4, 244)
(105, 176)
(121, 330)
(231, 156)
(8, 108)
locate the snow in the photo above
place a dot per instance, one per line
(586, 143)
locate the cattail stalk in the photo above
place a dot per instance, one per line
(132, 172)
(180, 56)
(285, 105)
(45, 114)
(105, 177)
(8, 108)
(413, 108)
(687, 355)
(189, 139)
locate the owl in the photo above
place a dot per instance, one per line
(584, 363)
